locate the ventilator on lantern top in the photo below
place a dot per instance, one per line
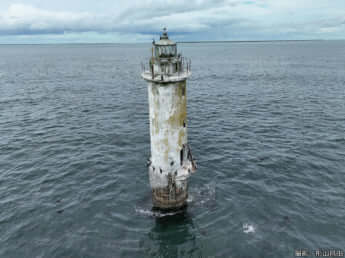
(171, 161)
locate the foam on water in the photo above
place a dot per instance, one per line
(248, 228)
(155, 214)
(198, 196)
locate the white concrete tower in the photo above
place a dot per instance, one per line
(171, 161)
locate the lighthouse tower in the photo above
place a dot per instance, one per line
(171, 161)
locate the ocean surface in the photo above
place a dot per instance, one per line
(266, 125)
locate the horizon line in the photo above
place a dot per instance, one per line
(182, 42)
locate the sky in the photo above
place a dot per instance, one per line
(131, 21)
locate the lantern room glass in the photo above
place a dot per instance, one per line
(166, 51)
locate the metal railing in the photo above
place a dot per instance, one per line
(184, 65)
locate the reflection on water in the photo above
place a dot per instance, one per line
(172, 236)
(177, 234)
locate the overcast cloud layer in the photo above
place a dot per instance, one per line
(35, 21)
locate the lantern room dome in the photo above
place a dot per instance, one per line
(164, 39)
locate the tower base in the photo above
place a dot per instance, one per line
(170, 189)
(169, 199)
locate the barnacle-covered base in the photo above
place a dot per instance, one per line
(172, 197)
(170, 190)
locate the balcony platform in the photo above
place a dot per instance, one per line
(166, 78)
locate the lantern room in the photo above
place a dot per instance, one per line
(165, 48)
(165, 64)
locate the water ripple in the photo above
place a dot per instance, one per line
(266, 124)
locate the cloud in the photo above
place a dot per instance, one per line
(187, 20)
(26, 19)
(23, 19)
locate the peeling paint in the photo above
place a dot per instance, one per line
(181, 137)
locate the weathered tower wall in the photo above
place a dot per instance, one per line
(171, 161)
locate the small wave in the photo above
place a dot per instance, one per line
(203, 196)
(155, 214)
(190, 199)
(248, 228)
